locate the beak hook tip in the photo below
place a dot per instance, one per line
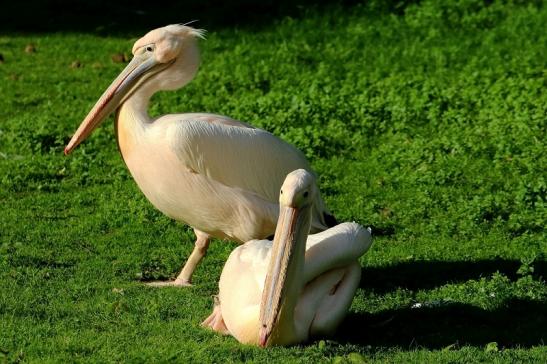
(263, 339)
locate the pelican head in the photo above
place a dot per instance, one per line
(164, 59)
(283, 281)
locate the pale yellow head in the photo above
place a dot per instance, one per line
(175, 45)
(164, 59)
(298, 189)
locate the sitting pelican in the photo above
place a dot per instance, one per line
(219, 175)
(281, 293)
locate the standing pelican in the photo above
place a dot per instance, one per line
(217, 174)
(281, 293)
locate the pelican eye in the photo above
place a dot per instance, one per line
(281, 192)
(149, 48)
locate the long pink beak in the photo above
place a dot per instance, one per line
(114, 96)
(283, 250)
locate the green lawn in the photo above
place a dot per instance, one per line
(425, 121)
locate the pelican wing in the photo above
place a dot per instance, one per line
(335, 248)
(234, 153)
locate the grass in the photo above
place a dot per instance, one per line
(425, 121)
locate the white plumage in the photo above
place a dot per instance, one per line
(219, 175)
(319, 289)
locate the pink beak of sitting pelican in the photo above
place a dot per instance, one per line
(289, 238)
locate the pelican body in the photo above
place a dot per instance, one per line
(217, 174)
(283, 292)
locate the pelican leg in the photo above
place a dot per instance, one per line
(215, 321)
(200, 249)
(185, 276)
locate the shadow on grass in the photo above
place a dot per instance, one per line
(519, 324)
(130, 16)
(430, 274)
(30, 261)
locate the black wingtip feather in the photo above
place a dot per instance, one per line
(330, 220)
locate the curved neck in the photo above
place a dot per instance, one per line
(180, 73)
(131, 121)
(183, 70)
(135, 108)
